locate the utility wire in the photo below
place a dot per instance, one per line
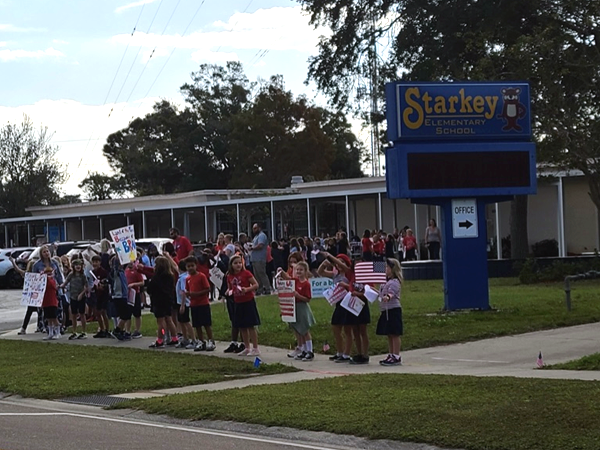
(237, 21)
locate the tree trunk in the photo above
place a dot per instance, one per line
(519, 244)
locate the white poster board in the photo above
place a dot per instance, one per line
(352, 304)
(34, 288)
(124, 239)
(287, 299)
(216, 277)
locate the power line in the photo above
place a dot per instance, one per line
(237, 21)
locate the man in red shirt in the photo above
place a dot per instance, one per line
(183, 246)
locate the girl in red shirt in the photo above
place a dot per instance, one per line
(242, 284)
(378, 247)
(367, 246)
(50, 305)
(304, 315)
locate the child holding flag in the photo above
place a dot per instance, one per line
(390, 321)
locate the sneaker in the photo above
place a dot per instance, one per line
(173, 342)
(233, 348)
(240, 348)
(391, 361)
(157, 344)
(244, 352)
(22, 331)
(200, 346)
(126, 336)
(47, 338)
(136, 335)
(110, 335)
(335, 357)
(100, 334)
(299, 356)
(343, 359)
(359, 359)
(82, 336)
(191, 345)
(254, 352)
(296, 352)
(210, 345)
(309, 356)
(180, 344)
(55, 337)
(73, 336)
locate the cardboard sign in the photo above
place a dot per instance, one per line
(34, 288)
(352, 304)
(287, 300)
(319, 286)
(124, 239)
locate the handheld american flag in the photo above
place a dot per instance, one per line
(370, 272)
(540, 361)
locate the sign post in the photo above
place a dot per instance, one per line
(460, 146)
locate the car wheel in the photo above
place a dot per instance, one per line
(14, 280)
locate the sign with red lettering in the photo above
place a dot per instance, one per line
(287, 299)
(464, 218)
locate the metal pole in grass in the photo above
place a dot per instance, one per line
(568, 293)
(588, 275)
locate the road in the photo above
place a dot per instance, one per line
(11, 311)
(44, 425)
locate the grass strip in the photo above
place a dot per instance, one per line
(591, 362)
(450, 411)
(44, 370)
(517, 309)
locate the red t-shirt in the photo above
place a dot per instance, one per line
(367, 245)
(240, 280)
(183, 247)
(133, 276)
(50, 296)
(197, 283)
(204, 270)
(379, 247)
(303, 288)
(409, 242)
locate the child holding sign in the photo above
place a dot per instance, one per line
(304, 315)
(50, 305)
(390, 322)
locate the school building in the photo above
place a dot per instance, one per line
(561, 210)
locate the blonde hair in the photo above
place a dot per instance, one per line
(396, 267)
(304, 265)
(104, 246)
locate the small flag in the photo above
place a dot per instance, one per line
(540, 361)
(326, 347)
(370, 272)
(257, 362)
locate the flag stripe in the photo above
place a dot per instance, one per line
(370, 272)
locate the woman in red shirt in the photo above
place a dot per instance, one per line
(242, 285)
(367, 246)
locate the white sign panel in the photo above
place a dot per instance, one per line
(464, 218)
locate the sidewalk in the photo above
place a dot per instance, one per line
(512, 356)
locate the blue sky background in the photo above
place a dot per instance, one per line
(58, 60)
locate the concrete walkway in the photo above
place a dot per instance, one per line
(513, 356)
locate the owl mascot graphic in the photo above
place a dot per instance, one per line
(512, 110)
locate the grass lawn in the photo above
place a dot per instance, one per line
(43, 370)
(464, 412)
(517, 309)
(591, 362)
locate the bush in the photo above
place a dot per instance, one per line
(530, 271)
(545, 248)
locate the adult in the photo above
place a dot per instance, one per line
(433, 239)
(367, 246)
(183, 246)
(258, 257)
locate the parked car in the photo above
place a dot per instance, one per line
(59, 249)
(8, 276)
(159, 242)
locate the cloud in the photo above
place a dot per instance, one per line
(9, 28)
(58, 41)
(278, 28)
(207, 55)
(12, 55)
(133, 5)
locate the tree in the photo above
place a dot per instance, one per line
(29, 172)
(552, 43)
(97, 186)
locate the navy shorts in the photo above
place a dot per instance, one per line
(123, 308)
(185, 316)
(161, 310)
(137, 307)
(50, 312)
(77, 306)
(201, 316)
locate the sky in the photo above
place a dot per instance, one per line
(85, 69)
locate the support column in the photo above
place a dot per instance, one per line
(237, 212)
(101, 223)
(395, 221)
(172, 218)
(380, 211)
(205, 224)
(273, 232)
(417, 232)
(316, 221)
(347, 218)
(127, 217)
(562, 247)
(143, 224)
(6, 243)
(47, 233)
(498, 235)
(308, 216)
(65, 230)
(82, 229)
(28, 234)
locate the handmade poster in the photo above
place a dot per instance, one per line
(34, 288)
(216, 277)
(335, 294)
(287, 299)
(352, 304)
(319, 286)
(131, 297)
(371, 293)
(124, 239)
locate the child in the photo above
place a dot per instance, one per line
(101, 292)
(162, 292)
(135, 281)
(77, 283)
(390, 322)
(197, 289)
(183, 310)
(409, 242)
(304, 315)
(120, 294)
(242, 284)
(50, 305)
